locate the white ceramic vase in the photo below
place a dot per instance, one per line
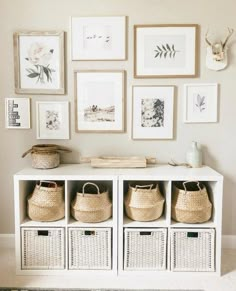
(194, 156)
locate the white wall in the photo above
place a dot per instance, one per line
(218, 139)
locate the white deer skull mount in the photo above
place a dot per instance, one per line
(216, 57)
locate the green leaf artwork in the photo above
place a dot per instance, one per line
(165, 51)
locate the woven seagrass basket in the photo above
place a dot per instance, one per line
(46, 203)
(190, 203)
(92, 206)
(144, 202)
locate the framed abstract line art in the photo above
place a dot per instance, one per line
(165, 51)
(39, 62)
(98, 38)
(200, 103)
(152, 112)
(17, 113)
(52, 119)
(99, 101)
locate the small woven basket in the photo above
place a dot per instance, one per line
(92, 206)
(190, 203)
(144, 202)
(46, 203)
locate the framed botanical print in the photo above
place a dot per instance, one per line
(152, 112)
(17, 113)
(99, 101)
(52, 119)
(39, 62)
(98, 38)
(165, 50)
(200, 103)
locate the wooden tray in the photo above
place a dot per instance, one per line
(119, 162)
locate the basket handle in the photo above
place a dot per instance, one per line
(49, 182)
(197, 182)
(143, 186)
(89, 183)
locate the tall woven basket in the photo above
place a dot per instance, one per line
(144, 202)
(92, 206)
(190, 203)
(46, 203)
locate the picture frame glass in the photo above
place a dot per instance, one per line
(100, 101)
(153, 112)
(17, 113)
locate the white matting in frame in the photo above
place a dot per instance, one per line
(98, 38)
(200, 103)
(153, 112)
(52, 118)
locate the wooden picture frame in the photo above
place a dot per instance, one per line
(39, 62)
(99, 101)
(165, 51)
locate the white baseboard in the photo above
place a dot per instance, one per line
(8, 241)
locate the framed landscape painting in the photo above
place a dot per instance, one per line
(165, 51)
(98, 38)
(99, 101)
(200, 103)
(39, 62)
(152, 112)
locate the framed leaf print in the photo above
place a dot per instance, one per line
(39, 62)
(165, 51)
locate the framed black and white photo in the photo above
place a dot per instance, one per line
(165, 50)
(17, 113)
(200, 103)
(52, 119)
(39, 62)
(100, 101)
(98, 38)
(152, 112)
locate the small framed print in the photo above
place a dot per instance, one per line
(165, 50)
(99, 101)
(52, 119)
(153, 112)
(200, 103)
(39, 62)
(17, 113)
(98, 38)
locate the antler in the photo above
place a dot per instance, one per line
(231, 31)
(206, 39)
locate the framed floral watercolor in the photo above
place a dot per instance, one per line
(98, 38)
(17, 113)
(39, 62)
(99, 101)
(152, 112)
(52, 119)
(165, 50)
(200, 103)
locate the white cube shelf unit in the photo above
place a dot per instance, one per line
(119, 234)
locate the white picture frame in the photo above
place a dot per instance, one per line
(99, 101)
(39, 62)
(153, 109)
(200, 103)
(52, 119)
(164, 51)
(98, 38)
(17, 113)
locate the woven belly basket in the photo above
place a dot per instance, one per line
(190, 203)
(144, 202)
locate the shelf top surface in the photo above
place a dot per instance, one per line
(165, 172)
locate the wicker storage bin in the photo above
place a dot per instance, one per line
(90, 248)
(190, 203)
(46, 203)
(42, 248)
(144, 202)
(92, 206)
(145, 249)
(193, 250)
